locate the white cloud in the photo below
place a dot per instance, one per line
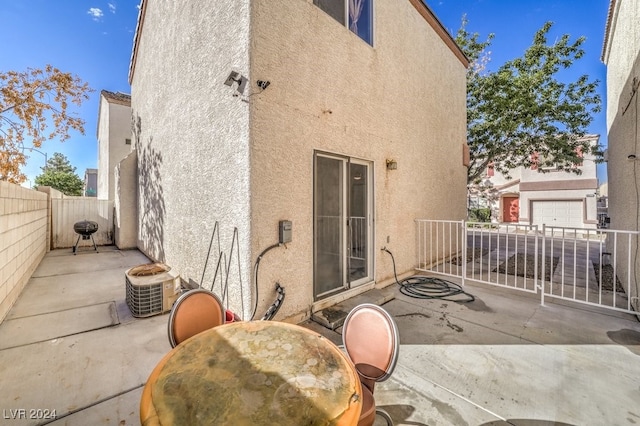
(95, 13)
(112, 7)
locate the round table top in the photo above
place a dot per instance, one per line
(251, 373)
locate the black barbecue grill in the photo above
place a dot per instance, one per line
(85, 230)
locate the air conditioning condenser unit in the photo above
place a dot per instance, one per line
(151, 289)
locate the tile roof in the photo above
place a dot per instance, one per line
(117, 97)
(607, 30)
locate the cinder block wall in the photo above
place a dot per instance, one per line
(23, 239)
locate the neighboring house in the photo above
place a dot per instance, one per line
(621, 55)
(555, 197)
(90, 182)
(349, 125)
(114, 139)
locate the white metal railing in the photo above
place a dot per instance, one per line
(440, 245)
(503, 255)
(591, 266)
(329, 234)
(358, 241)
(594, 266)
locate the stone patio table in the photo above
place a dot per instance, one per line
(251, 373)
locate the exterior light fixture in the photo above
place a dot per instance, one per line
(392, 164)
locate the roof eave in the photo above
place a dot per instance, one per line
(420, 6)
(440, 30)
(136, 39)
(606, 45)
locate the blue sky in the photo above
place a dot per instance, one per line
(93, 40)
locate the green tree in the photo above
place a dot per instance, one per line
(522, 114)
(34, 107)
(61, 175)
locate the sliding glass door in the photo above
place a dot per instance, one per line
(342, 223)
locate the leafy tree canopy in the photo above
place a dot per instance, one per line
(34, 107)
(59, 174)
(522, 114)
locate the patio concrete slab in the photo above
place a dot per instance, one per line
(55, 293)
(37, 328)
(119, 410)
(84, 373)
(63, 262)
(501, 360)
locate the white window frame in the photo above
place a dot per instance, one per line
(346, 20)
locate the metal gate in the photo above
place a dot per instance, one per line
(69, 210)
(589, 266)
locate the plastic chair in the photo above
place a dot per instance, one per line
(194, 312)
(371, 340)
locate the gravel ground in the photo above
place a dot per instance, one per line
(607, 278)
(520, 265)
(472, 254)
(524, 266)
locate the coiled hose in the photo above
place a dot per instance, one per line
(421, 287)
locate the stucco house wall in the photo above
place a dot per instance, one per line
(125, 203)
(248, 160)
(333, 92)
(191, 135)
(621, 55)
(114, 129)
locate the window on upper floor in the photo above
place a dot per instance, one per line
(357, 15)
(491, 169)
(548, 162)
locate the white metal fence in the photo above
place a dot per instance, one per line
(590, 266)
(594, 266)
(69, 210)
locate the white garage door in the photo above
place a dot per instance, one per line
(558, 213)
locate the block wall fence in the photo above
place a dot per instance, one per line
(24, 236)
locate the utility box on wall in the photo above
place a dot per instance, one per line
(285, 231)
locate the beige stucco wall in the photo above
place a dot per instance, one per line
(23, 239)
(114, 127)
(403, 98)
(621, 54)
(206, 155)
(192, 137)
(126, 202)
(622, 57)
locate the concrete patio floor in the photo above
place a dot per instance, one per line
(71, 345)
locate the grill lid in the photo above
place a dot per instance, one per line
(85, 227)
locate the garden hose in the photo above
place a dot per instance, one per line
(421, 287)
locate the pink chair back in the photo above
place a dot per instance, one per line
(370, 337)
(194, 312)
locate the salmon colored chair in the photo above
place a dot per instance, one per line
(194, 312)
(371, 340)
